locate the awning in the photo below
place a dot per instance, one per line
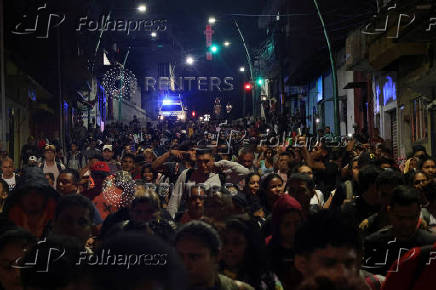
(356, 85)
(43, 107)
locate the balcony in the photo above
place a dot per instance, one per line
(385, 51)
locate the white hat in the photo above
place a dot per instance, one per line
(107, 147)
(33, 158)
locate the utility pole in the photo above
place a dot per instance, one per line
(333, 68)
(249, 65)
(244, 97)
(61, 99)
(2, 73)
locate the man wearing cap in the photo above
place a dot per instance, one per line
(49, 165)
(108, 155)
(99, 171)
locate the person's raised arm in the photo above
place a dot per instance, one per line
(235, 167)
(164, 157)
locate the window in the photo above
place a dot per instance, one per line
(389, 90)
(319, 89)
(171, 108)
(419, 119)
(377, 96)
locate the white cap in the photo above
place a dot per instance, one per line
(33, 158)
(107, 147)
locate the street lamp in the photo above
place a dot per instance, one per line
(226, 43)
(212, 20)
(142, 8)
(154, 34)
(242, 69)
(189, 60)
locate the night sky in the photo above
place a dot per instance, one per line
(186, 21)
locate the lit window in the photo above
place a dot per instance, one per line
(319, 89)
(389, 91)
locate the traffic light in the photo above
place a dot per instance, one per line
(248, 86)
(194, 114)
(259, 81)
(213, 48)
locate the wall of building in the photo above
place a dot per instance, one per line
(29, 109)
(312, 111)
(346, 105)
(329, 110)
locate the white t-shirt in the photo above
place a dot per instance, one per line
(317, 198)
(432, 220)
(52, 169)
(10, 181)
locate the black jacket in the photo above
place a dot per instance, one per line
(32, 178)
(382, 248)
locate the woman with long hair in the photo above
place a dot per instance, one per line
(265, 162)
(244, 255)
(149, 175)
(251, 192)
(271, 187)
(287, 216)
(252, 185)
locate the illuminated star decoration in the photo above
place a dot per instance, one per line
(119, 189)
(119, 82)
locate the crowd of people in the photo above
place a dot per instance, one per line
(204, 205)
